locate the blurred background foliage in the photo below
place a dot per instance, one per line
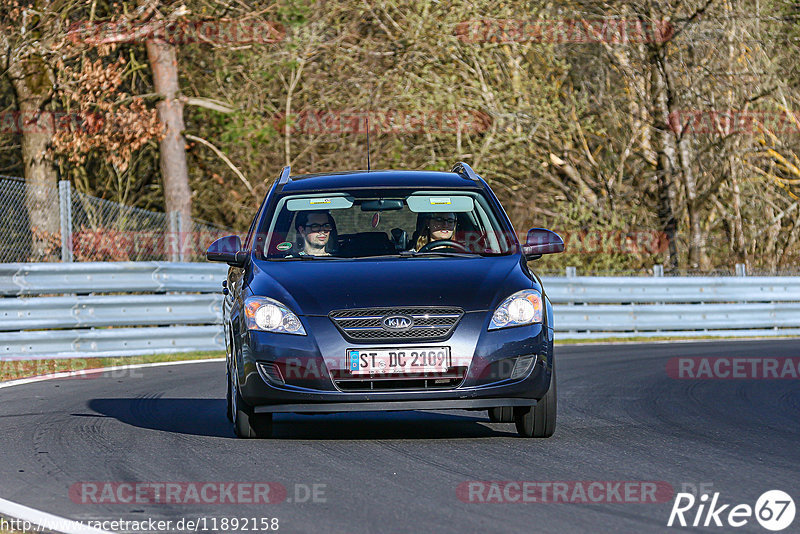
(579, 137)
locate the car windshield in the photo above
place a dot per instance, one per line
(363, 224)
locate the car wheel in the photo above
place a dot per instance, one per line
(246, 423)
(539, 421)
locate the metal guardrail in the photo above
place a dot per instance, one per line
(20, 279)
(108, 310)
(668, 317)
(126, 308)
(174, 307)
(40, 344)
(591, 307)
(609, 289)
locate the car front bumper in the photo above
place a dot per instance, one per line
(394, 406)
(485, 355)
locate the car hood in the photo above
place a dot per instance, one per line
(316, 287)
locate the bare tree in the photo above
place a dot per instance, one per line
(177, 194)
(164, 64)
(32, 80)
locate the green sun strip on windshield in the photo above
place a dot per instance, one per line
(433, 203)
(329, 202)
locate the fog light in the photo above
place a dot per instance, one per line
(270, 372)
(523, 366)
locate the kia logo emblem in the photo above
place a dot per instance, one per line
(397, 322)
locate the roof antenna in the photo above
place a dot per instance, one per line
(369, 112)
(368, 165)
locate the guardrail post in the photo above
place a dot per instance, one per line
(181, 237)
(658, 271)
(572, 272)
(65, 216)
(741, 270)
(176, 237)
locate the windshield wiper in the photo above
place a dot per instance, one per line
(306, 257)
(411, 254)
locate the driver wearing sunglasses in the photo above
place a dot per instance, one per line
(314, 229)
(438, 227)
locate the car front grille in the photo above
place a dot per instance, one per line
(395, 382)
(365, 324)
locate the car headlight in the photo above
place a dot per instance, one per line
(521, 308)
(270, 315)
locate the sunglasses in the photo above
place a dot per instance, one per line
(446, 221)
(314, 228)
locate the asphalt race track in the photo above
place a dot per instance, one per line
(621, 418)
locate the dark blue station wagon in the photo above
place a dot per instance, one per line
(382, 291)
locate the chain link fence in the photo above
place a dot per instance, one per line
(66, 225)
(16, 235)
(71, 226)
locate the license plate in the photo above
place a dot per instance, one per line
(392, 361)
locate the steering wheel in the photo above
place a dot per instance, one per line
(443, 243)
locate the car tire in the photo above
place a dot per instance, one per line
(501, 414)
(228, 399)
(228, 389)
(246, 423)
(539, 421)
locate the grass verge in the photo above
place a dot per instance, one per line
(15, 369)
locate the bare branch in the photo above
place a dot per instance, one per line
(224, 158)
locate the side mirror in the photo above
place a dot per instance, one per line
(228, 250)
(541, 241)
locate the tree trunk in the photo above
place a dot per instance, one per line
(32, 81)
(773, 227)
(174, 171)
(680, 146)
(690, 187)
(739, 246)
(665, 167)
